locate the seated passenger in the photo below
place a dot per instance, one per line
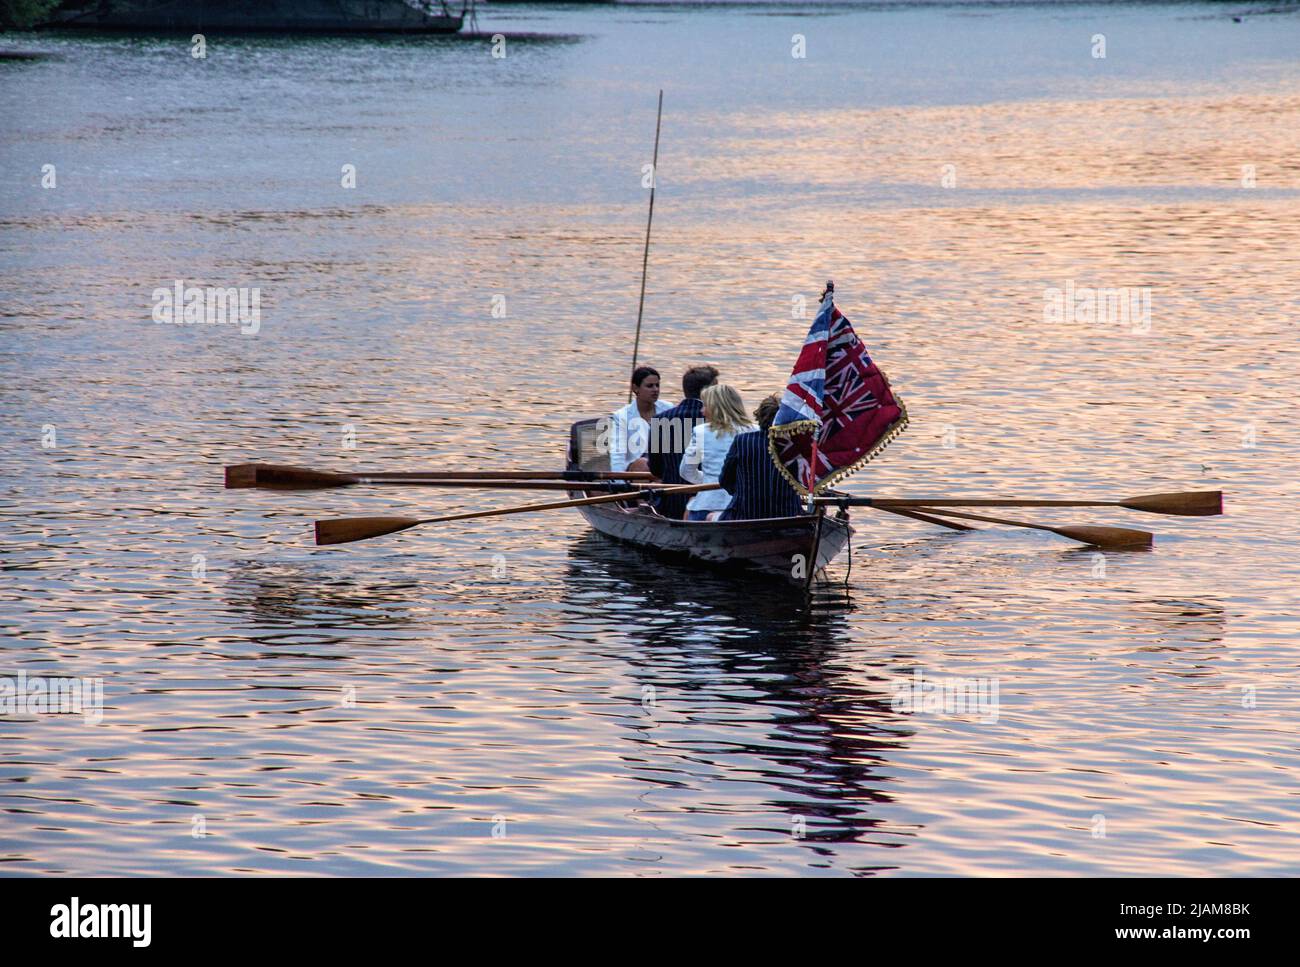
(724, 418)
(629, 426)
(670, 434)
(758, 488)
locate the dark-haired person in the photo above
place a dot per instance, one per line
(757, 488)
(629, 426)
(670, 435)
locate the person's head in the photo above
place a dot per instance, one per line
(724, 410)
(645, 385)
(696, 378)
(766, 411)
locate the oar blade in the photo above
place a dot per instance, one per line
(243, 475)
(345, 530)
(274, 477)
(1107, 537)
(1193, 503)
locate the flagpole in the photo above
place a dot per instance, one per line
(645, 255)
(812, 464)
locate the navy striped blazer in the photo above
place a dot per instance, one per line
(757, 488)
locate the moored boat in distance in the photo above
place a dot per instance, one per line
(779, 546)
(266, 16)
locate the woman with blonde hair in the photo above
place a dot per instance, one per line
(724, 419)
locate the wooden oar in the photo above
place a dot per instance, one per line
(927, 518)
(1113, 537)
(1195, 503)
(277, 477)
(344, 530)
(598, 485)
(609, 485)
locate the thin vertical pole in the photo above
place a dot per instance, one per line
(645, 255)
(812, 554)
(812, 464)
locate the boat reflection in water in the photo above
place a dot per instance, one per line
(740, 686)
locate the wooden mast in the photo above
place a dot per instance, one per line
(645, 254)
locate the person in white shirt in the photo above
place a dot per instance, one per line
(724, 419)
(629, 426)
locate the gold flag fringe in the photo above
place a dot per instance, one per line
(799, 426)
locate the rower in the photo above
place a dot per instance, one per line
(758, 488)
(629, 427)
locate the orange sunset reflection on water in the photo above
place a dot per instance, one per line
(373, 708)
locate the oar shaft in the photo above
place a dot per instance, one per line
(610, 486)
(990, 520)
(888, 503)
(577, 475)
(279, 477)
(345, 530)
(952, 525)
(1116, 537)
(985, 502)
(581, 502)
(1193, 503)
(605, 485)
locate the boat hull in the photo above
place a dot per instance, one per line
(778, 546)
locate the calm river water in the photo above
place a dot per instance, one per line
(520, 696)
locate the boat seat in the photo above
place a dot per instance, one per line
(583, 453)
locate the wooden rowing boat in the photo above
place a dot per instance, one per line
(778, 546)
